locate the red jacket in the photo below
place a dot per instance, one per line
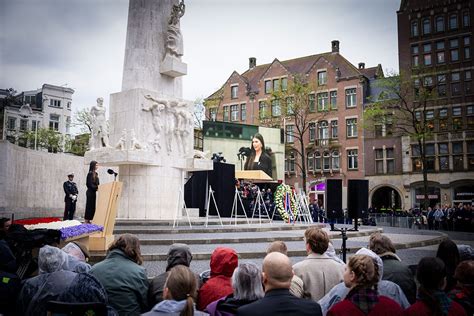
(385, 307)
(420, 309)
(223, 263)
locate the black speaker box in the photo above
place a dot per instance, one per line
(357, 198)
(334, 198)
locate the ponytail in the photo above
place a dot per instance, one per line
(189, 308)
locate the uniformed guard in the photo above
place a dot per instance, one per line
(70, 189)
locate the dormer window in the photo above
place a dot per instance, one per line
(234, 90)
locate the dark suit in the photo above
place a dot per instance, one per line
(280, 302)
(92, 183)
(70, 188)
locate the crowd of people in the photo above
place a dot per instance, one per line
(373, 282)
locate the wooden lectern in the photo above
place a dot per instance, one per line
(105, 214)
(257, 176)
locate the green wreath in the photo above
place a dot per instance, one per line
(280, 192)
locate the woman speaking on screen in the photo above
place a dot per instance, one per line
(259, 159)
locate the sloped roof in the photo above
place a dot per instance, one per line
(373, 72)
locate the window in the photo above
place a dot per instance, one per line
(415, 50)
(458, 162)
(467, 41)
(69, 105)
(443, 112)
(268, 86)
(414, 28)
(454, 55)
(317, 161)
(465, 19)
(276, 85)
(262, 109)
(467, 82)
(322, 78)
(453, 21)
(467, 75)
(351, 126)
(443, 163)
(243, 112)
(291, 163)
(323, 130)
(351, 97)
(427, 48)
(429, 115)
(455, 84)
(390, 158)
(441, 84)
(457, 123)
(284, 84)
(226, 114)
(290, 106)
(439, 24)
(379, 161)
(54, 122)
(333, 99)
(289, 134)
(334, 129)
(443, 149)
(440, 45)
(440, 57)
(23, 125)
(55, 103)
(335, 160)
(418, 115)
(312, 131)
(428, 81)
(457, 111)
(426, 26)
(467, 53)
(323, 103)
(454, 43)
(427, 59)
(470, 110)
(415, 61)
(311, 103)
(213, 114)
(352, 159)
(35, 125)
(310, 161)
(11, 125)
(276, 109)
(234, 91)
(326, 161)
(234, 113)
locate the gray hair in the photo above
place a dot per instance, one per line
(247, 282)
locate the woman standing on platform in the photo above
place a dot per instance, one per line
(92, 183)
(259, 159)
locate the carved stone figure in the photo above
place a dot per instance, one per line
(184, 121)
(134, 143)
(122, 142)
(174, 40)
(99, 135)
(201, 154)
(156, 108)
(170, 124)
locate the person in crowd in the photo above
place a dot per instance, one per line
(463, 293)
(393, 268)
(5, 224)
(56, 284)
(331, 252)
(10, 284)
(123, 277)
(296, 288)
(92, 183)
(438, 218)
(361, 276)
(179, 293)
(259, 159)
(319, 272)
(448, 252)
(466, 252)
(277, 274)
(430, 217)
(70, 197)
(223, 263)
(247, 285)
(384, 287)
(432, 300)
(178, 254)
(78, 256)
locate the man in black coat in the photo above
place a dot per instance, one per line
(277, 275)
(70, 199)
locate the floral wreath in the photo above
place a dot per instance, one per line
(280, 194)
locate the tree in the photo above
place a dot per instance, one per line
(404, 104)
(46, 138)
(295, 106)
(198, 113)
(83, 119)
(212, 104)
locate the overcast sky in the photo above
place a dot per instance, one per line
(80, 43)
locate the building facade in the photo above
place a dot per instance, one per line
(435, 48)
(48, 107)
(334, 142)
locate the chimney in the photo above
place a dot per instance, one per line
(335, 46)
(252, 62)
(361, 65)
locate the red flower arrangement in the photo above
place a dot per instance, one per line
(39, 220)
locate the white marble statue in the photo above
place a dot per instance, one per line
(122, 142)
(156, 109)
(174, 40)
(184, 121)
(134, 143)
(100, 135)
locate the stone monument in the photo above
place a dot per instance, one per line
(151, 126)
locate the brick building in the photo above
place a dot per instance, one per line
(435, 37)
(334, 142)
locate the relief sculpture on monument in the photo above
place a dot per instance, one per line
(100, 133)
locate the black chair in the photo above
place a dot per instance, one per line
(55, 308)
